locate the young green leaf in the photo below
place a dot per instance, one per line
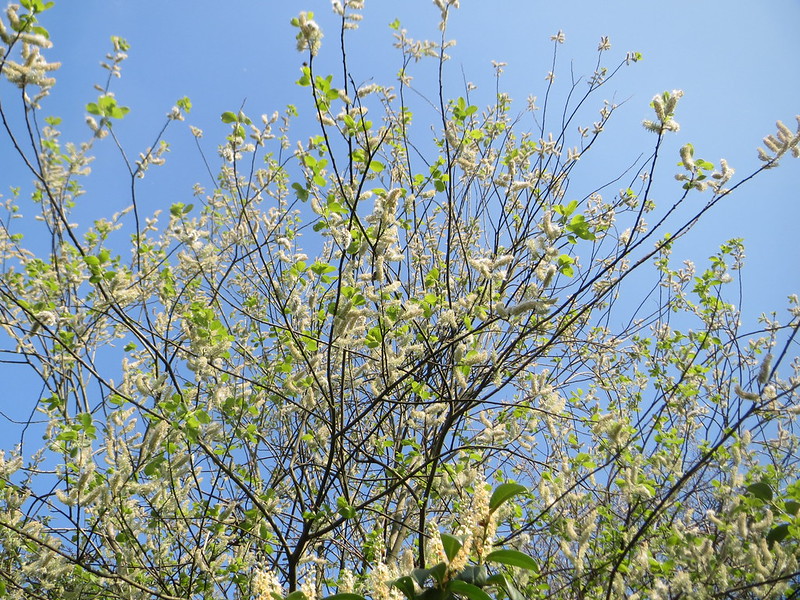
(761, 490)
(503, 582)
(462, 588)
(451, 545)
(474, 574)
(513, 558)
(503, 493)
(406, 585)
(346, 510)
(791, 507)
(777, 534)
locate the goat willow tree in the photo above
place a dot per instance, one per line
(384, 367)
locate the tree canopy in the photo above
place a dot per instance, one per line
(386, 361)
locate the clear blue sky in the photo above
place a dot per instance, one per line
(736, 61)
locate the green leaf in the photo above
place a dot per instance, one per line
(300, 192)
(791, 507)
(567, 210)
(228, 117)
(513, 558)
(451, 545)
(355, 242)
(345, 509)
(760, 490)
(345, 596)
(421, 576)
(321, 268)
(434, 593)
(106, 106)
(565, 262)
(406, 585)
(467, 589)
(580, 227)
(151, 468)
(184, 104)
(296, 595)
(349, 122)
(502, 581)
(120, 43)
(704, 164)
(505, 492)
(584, 460)
(778, 534)
(374, 337)
(474, 574)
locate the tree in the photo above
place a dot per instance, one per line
(376, 365)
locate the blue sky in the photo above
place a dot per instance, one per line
(735, 60)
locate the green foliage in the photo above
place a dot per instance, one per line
(106, 106)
